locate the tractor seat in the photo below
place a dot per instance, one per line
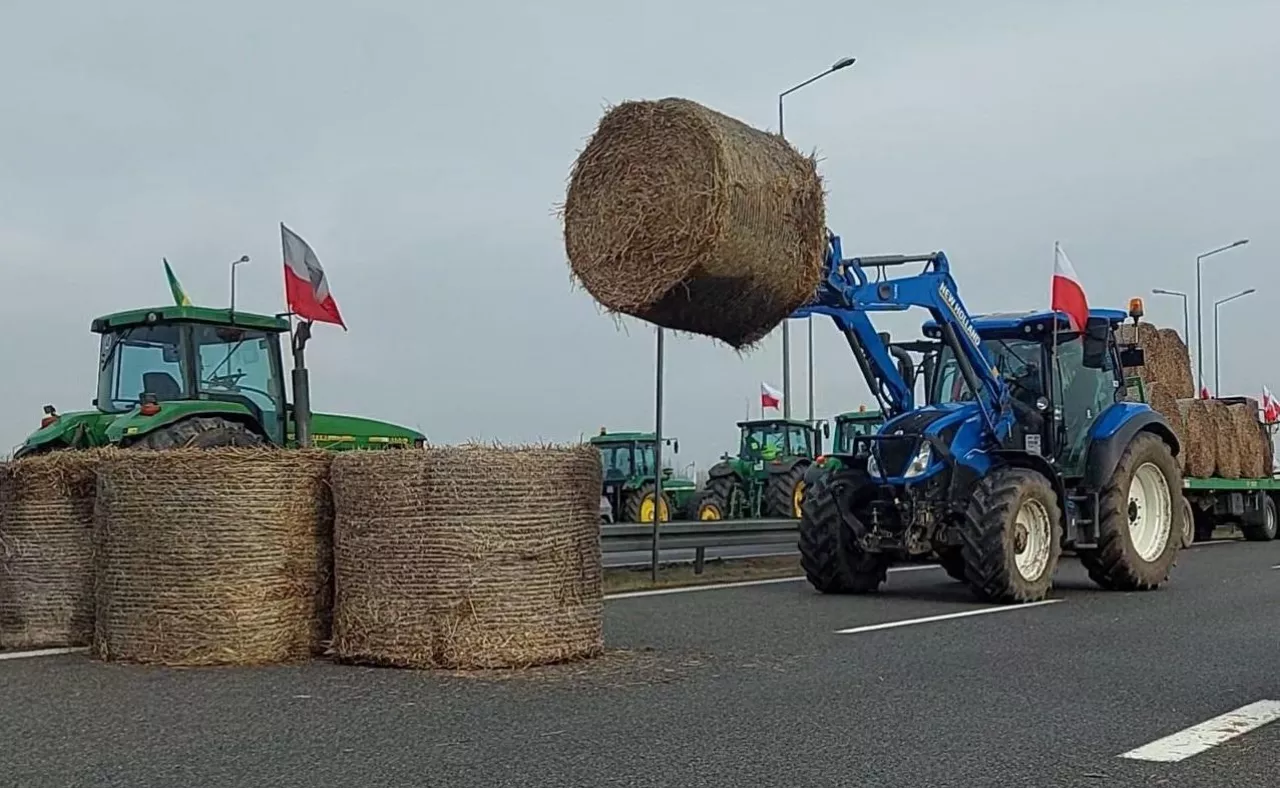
(162, 385)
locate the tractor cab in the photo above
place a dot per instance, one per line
(849, 426)
(766, 440)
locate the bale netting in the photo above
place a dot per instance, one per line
(211, 556)
(1201, 447)
(1164, 403)
(1172, 367)
(695, 221)
(1226, 452)
(46, 549)
(1244, 420)
(468, 557)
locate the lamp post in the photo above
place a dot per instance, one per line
(786, 331)
(1217, 383)
(657, 457)
(1200, 312)
(1186, 321)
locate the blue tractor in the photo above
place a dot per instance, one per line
(1025, 446)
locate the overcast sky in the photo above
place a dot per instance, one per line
(421, 148)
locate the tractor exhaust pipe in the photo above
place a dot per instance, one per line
(906, 367)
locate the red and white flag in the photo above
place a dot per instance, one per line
(769, 396)
(1066, 294)
(1270, 408)
(305, 288)
(1204, 393)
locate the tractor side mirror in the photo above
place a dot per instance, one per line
(1133, 357)
(675, 447)
(826, 429)
(1096, 335)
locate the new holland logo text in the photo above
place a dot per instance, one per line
(949, 299)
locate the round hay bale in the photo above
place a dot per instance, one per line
(1173, 364)
(1244, 420)
(694, 221)
(211, 556)
(1145, 336)
(1226, 452)
(468, 557)
(1201, 447)
(46, 550)
(1164, 403)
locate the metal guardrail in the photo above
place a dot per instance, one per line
(697, 535)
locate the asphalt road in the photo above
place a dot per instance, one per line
(743, 686)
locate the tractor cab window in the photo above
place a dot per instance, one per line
(616, 460)
(1019, 361)
(241, 366)
(770, 441)
(141, 359)
(1082, 393)
(848, 431)
(644, 459)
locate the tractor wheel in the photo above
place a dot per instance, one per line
(705, 506)
(952, 562)
(1264, 528)
(1014, 537)
(639, 506)
(200, 432)
(1138, 519)
(1188, 522)
(786, 490)
(830, 561)
(722, 494)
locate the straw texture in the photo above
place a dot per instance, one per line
(1227, 451)
(211, 556)
(46, 549)
(1201, 449)
(1164, 403)
(1244, 419)
(694, 221)
(468, 557)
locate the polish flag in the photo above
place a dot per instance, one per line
(1204, 393)
(769, 396)
(1067, 294)
(305, 288)
(1270, 408)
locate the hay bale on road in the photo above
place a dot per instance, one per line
(1173, 366)
(692, 220)
(1226, 452)
(1201, 449)
(211, 556)
(1164, 403)
(1248, 438)
(46, 550)
(468, 557)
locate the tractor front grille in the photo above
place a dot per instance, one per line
(894, 453)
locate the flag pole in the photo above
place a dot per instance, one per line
(1053, 368)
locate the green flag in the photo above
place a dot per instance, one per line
(179, 295)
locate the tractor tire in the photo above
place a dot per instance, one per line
(200, 432)
(722, 493)
(952, 562)
(785, 492)
(1264, 529)
(1014, 537)
(1144, 492)
(705, 506)
(830, 561)
(633, 507)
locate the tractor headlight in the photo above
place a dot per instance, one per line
(873, 467)
(919, 463)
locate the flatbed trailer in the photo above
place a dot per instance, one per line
(1249, 504)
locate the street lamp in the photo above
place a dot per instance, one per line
(1200, 311)
(786, 332)
(1186, 322)
(1217, 384)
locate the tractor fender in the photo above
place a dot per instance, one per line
(786, 464)
(1112, 433)
(134, 424)
(721, 469)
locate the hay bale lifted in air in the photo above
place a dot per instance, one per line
(1226, 451)
(695, 221)
(1164, 403)
(46, 550)
(1244, 419)
(210, 556)
(468, 557)
(1201, 447)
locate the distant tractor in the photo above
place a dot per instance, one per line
(184, 376)
(628, 459)
(766, 479)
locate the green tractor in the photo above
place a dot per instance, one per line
(628, 494)
(848, 427)
(180, 376)
(766, 479)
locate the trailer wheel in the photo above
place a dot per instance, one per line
(832, 564)
(1137, 519)
(1264, 530)
(1188, 522)
(1014, 537)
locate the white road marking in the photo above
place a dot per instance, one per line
(43, 652)
(1214, 543)
(1277, 566)
(944, 617)
(1198, 738)
(741, 584)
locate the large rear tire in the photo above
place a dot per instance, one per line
(786, 491)
(832, 564)
(638, 507)
(199, 432)
(1264, 529)
(1014, 537)
(1138, 519)
(724, 495)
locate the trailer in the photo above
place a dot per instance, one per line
(1248, 504)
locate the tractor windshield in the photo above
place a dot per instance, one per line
(616, 460)
(847, 431)
(141, 359)
(241, 365)
(1020, 362)
(770, 441)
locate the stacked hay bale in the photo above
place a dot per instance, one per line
(211, 556)
(1201, 448)
(1227, 450)
(692, 220)
(1244, 423)
(46, 550)
(468, 557)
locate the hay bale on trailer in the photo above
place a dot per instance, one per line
(1145, 336)
(46, 549)
(1226, 452)
(468, 557)
(1172, 367)
(1248, 438)
(1163, 402)
(211, 556)
(692, 220)
(1201, 449)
